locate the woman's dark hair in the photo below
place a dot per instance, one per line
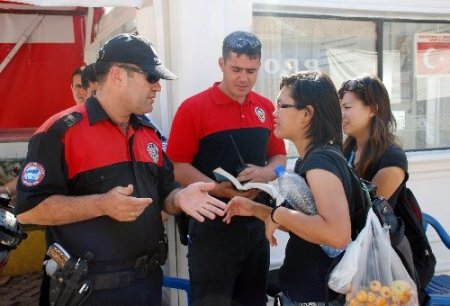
(371, 91)
(316, 89)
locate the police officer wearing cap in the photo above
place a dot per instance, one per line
(97, 177)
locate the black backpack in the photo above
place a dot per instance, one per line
(408, 209)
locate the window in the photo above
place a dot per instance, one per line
(416, 72)
(340, 48)
(345, 48)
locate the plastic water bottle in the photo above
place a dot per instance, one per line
(297, 193)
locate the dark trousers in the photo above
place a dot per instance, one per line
(228, 264)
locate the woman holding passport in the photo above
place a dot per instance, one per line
(308, 113)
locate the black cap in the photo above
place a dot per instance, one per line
(134, 49)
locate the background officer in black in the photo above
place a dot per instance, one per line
(97, 176)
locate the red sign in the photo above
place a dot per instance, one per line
(432, 54)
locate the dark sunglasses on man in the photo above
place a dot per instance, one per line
(152, 79)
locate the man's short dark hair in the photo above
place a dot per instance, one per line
(88, 76)
(241, 42)
(77, 71)
(101, 69)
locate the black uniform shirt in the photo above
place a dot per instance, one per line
(80, 152)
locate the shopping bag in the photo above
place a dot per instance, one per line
(381, 278)
(342, 275)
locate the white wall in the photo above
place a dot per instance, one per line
(197, 29)
(430, 182)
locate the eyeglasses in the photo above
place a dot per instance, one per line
(281, 105)
(152, 79)
(353, 85)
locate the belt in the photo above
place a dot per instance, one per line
(110, 275)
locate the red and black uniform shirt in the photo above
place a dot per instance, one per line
(81, 152)
(202, 126)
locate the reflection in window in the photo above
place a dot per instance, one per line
(416, 72)
(416, 66)
(343, 49)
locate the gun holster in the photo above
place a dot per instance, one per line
(69, 283)
(69, 287)
(159, 257)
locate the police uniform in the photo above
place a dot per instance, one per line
(225, 260)
(81, 152)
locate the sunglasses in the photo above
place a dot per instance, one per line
(353, 85)
(152, 79)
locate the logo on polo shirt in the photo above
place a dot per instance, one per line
(32, 174)
(153, 151)
(260, 114)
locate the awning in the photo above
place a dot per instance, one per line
(40, 46)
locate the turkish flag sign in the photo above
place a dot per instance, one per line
(432, 54)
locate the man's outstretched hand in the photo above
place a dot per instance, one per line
(195, 201)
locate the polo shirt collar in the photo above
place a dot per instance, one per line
(219, 97)
(96, 113)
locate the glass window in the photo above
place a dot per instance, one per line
(416, 72)
(341, 48)
(415, 65)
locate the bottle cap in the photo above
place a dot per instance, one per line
(279, 170)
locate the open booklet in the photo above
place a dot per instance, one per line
(222, 175)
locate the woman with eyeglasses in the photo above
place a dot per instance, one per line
(371, 146)
(308, 114)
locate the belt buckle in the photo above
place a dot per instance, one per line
(141, 263)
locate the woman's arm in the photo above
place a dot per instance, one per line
(388, 180)
(331, 225)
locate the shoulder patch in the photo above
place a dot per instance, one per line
(260, 114)
(153, 152)
(60, 127)
(32, 174)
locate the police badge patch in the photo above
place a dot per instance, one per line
(32, 174)
(153, 151)
(260, 114)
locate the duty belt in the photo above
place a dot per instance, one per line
(110, 275)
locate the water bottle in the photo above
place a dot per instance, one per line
(297, 193)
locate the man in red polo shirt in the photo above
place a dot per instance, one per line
(228, 126)
(97, 176)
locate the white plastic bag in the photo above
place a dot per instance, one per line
(381, 278)
(342, 275)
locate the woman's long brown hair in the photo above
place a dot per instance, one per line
(371, 91)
